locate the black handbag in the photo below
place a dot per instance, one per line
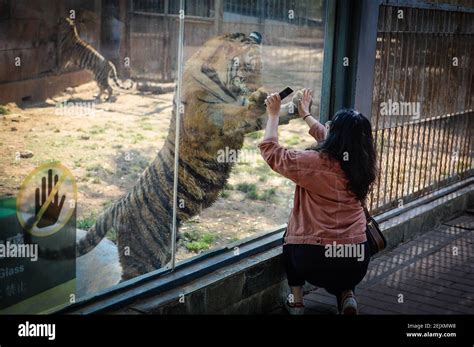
(375, 238)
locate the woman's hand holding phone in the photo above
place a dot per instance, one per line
(273, 103)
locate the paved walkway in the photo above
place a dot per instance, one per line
(432, 274)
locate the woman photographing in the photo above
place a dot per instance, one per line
(332, 182)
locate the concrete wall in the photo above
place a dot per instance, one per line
(28, 32)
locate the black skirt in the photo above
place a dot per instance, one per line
(336, 269)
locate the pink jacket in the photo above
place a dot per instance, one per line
(324, 209)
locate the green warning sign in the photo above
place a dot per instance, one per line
(37, 238)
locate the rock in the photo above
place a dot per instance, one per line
(85, 137)
(156, 88)
(26, 154)
(13, 108)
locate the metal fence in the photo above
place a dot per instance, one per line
(283, 23)
(305, 12)
(422, 111)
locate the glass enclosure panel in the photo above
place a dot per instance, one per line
(89, 99)
(110, 157)
(226, 191)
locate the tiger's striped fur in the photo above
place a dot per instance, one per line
(78, 52)
(222, 102)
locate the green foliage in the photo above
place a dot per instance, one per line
(107, 204)
(196, 242)
(97, 130)
(196, 246)
(256, 135)
(252, 195)
(93, 167)
(137, 138)
(250, 190)
(267, 194)
(86, 223)
(293, 140)
(208, 238)
(4, 110)
(146, 126)
(92, 147)
(246, 187)
(112, 235)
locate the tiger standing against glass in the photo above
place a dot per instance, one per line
(331, 182)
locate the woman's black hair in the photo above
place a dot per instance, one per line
(350, 142)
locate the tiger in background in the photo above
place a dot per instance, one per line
(223, 100)
(78, 52)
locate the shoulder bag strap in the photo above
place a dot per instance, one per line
(366, 211)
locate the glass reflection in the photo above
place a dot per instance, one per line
(90, 87)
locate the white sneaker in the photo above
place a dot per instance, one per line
(349, 304)
(296, 308)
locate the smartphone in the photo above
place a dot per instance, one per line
(285, 92)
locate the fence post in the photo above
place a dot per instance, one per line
(329, 27)
(98, 9)
(219, 15)
(364, 79)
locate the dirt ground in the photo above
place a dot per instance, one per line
(107, 146)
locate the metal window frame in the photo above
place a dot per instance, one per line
(351, 32)
(328, 56)
(163, 279)
(423, 4)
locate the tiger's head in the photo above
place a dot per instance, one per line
(222, 94)
(67, 25)
(229, 66)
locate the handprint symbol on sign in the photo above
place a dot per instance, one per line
(44, 201)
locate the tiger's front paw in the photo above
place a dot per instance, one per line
(256, 106)
(297, 97)
(257, 98)
(296, 100)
